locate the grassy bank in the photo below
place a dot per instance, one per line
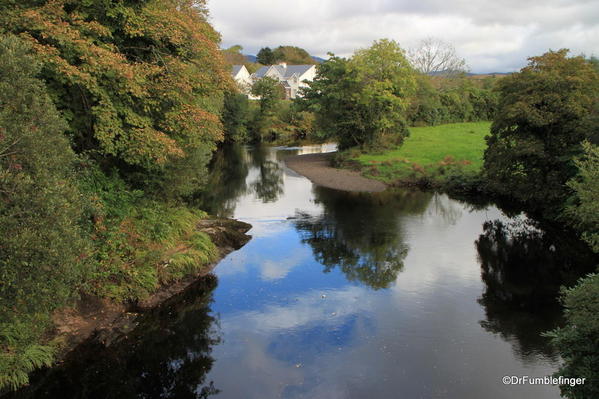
(446, 156)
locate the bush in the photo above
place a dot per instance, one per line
(585, 210)
(578, 341)
(545, 112)
(44, 250)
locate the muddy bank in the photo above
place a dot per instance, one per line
(106, 319)
(317, 168)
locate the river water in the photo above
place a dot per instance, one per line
(401, 294)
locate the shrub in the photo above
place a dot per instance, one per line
(44, 252)
(578, 341)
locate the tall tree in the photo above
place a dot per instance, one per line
(437, 56)
(585, 207)
(140, 82)
(545, 112)
(44, 252)
(266, 56)
(269, 91)
(364, 100)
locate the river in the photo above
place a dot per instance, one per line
(400, 294)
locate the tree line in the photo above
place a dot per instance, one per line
(542, 150)
(438, 92)
(109, 113)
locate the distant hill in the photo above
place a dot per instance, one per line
(489, 74)
(318, 59)
(250, 58)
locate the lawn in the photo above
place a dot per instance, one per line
(431, 152)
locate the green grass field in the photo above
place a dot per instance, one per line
(431, 153)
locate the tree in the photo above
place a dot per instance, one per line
(364, 100)
(545, 111)
(44, 251)
(577, 341)
(266, 56)
(585, 210)
(234, 56)
(140, 83)
(270, 92)
(235, 117)
(292, 55)
(434, 56)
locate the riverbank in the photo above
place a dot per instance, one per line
(317, 168)
(106, 318)
(448, 157)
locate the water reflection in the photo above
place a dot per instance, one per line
(226, 181)
(268, 184)
(523, 269)
(407, 323)
(360, 233)
(167, 356)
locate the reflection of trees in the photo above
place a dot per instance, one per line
(444, 208)
(360, 233)
(269, 184)
(166, 356)
(226, 181)
(523, 269)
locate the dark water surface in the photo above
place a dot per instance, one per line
(399, 294)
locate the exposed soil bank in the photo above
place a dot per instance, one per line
(317, 168)
(107, 319)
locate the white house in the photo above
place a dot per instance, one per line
(292, 77)
(243, 78)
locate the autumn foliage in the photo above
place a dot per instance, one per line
(139, 81)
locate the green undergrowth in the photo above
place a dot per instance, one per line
(143, 243)
(137, 246)
(445, 156)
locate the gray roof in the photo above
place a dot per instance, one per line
(236, 69)
(285, 72)
(262, 71)
(297, 69)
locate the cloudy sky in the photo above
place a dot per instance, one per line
(491, 35)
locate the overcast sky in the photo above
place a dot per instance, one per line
(493, 36)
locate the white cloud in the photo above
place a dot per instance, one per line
(491, 35)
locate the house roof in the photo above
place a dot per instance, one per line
(260, 73)
(236, 69)
(285, 72)
(297, 69)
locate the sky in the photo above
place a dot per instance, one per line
(492, 36)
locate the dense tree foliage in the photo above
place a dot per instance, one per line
(235, 117)
(363, 100)
(140, 86)
(578, 341)
(43, 247)
(545, 112)
(266, 56)
(585, 210)
(462, 101)
(140, 83)
(292, 55)
(270, 92)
